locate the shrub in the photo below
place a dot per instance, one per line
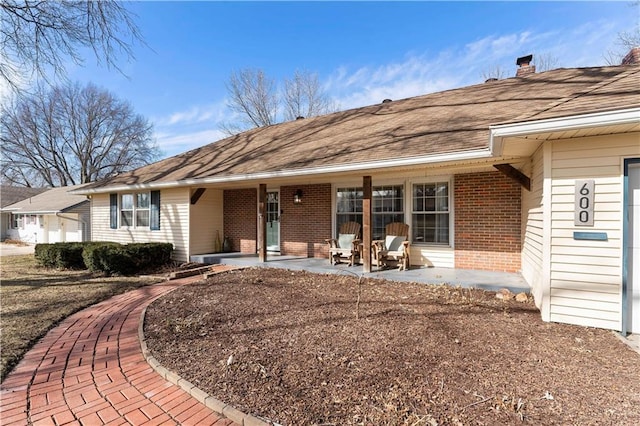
(60, 255)
(46, 255)
(93, 253)
(108, 257)
(116, 259)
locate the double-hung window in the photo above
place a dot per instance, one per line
(387, 206)
(430, 215)
(136, 210)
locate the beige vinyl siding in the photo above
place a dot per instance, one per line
(532, 211)
(440, 257)
(174, 226)
(206, 219)
(586, 276)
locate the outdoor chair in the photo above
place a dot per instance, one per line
(347, 245)
(394, 247)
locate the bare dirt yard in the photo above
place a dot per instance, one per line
(297, 348)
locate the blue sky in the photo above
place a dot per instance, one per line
(363, 52)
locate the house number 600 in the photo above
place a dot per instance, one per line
(584, 203)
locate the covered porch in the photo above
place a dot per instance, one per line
(468, 278)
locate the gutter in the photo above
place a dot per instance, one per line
(403, 162)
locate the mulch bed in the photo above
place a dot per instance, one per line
(297, 348)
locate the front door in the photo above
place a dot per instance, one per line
(633, 249)
(273, 221)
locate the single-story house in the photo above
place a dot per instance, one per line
(50, 217)
(9, 195)
(536, 174)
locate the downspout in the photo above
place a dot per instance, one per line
(84, 224)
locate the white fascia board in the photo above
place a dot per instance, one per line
(401, 162)
(609, 118)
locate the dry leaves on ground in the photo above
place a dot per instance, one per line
(290, 347)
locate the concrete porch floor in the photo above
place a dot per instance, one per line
(486, 280)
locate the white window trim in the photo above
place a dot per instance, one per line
(409, 208)
(133, 210)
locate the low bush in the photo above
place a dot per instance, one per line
(93, 253)
(108, 257)
(60, 255)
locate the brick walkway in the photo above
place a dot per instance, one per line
(90, 370)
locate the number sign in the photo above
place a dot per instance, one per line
(584, 203)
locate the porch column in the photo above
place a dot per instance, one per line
(262, 223)
(366, 223)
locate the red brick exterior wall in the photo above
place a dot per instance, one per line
(305, 226)
(241, 219)
(487, 222)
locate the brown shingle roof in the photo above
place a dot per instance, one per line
(452, 121)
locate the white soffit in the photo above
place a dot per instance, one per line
(587, 123)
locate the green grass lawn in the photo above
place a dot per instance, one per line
(34, 299)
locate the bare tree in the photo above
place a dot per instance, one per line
(493, 72)
(257, 101)
(545, 61)
(626, 41)
(253, 96)
(303, 96)
(70, 135)
(38, 37)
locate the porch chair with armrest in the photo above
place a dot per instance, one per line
(347, 245)
(394, 247)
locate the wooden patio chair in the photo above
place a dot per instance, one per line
(394, 247)
(347, 245)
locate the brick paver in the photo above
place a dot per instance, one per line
(90, 370)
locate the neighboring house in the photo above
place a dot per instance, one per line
(50, 217)
(10, 195)
(533, 174)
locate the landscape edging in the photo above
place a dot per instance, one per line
(211, 402)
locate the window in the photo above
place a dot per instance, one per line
(17, 221)
(430, 217)
(126, 210)
(142, 209)
(348, 206)
(139, 210)
(387, 207)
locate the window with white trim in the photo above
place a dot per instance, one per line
(387, 207)
(135, 210)
(430, 213)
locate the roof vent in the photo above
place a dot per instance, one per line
(299, 117)
(524, 62)
(386, 101)
(489, 80)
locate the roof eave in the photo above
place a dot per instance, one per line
(562, 124)
(343, 168)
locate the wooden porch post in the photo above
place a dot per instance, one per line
(366, 223)
(262, 223)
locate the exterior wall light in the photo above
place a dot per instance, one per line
(297, 197)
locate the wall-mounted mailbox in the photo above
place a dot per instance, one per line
(593, 236)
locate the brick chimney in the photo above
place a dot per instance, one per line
(632, 58)
(524, 66)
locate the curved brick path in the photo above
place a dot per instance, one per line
(90, 370)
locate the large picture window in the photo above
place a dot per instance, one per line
(430, 216)
(387, 207)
